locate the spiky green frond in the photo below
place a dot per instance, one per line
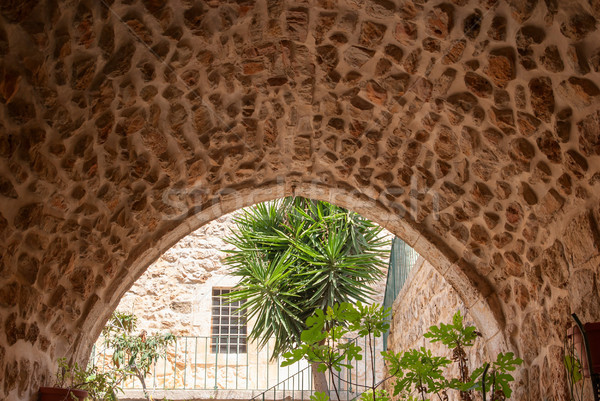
(295, 255)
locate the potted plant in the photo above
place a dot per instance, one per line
(133, 356)
(61, 394)
(73, 383)
(68, 384)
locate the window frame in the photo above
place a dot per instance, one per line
(222, 326)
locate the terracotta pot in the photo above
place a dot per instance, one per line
(61, 394)
(592, 332)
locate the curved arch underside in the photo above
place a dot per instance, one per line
(468, 128)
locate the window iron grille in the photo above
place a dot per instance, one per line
(229, 329)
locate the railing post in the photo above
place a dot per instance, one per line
(217, 361)
(227, 349)
(154, 374)
(165, 371)
(195, 360)
(366, 367)
(104, 360)
(175, 365)
(302, 388)
(185, 362)
(205, 361)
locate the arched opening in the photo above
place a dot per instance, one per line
(467, 285)
(183, 280)
(126, 125)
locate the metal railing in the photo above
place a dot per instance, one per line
(190, 364)
(349, 382)
(289, 387)
(402, 260)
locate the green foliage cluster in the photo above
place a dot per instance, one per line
(295, 255)
(329, 328)
(133, 355)
(323, 341)
(573, 366)
(453, 335)
(417, 370)
(101, 386)
(380, 395)
(497, 382)
(418, 374)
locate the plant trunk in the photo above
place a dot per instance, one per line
(143, 381)
(319, 379)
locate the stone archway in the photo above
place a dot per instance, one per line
(126, 123)
(474, 291)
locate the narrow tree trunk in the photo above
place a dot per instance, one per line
(319, 379)
(141, 377)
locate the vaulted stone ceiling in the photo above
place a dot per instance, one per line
(125, 125)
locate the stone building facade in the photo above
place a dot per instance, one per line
(174, 294)
(469, 128)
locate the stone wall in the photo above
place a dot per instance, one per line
(175, 293)
(467, 127)
(426, 300)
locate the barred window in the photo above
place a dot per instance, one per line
(228, 327)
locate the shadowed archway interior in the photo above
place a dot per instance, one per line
(469, 128)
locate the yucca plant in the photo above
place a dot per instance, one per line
(296, 255)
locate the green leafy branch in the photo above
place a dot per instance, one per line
(418, 373)
(497, 382)
(134, 354)
(100, 386)
(456, 337)
(418, 370)
(322, 343)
